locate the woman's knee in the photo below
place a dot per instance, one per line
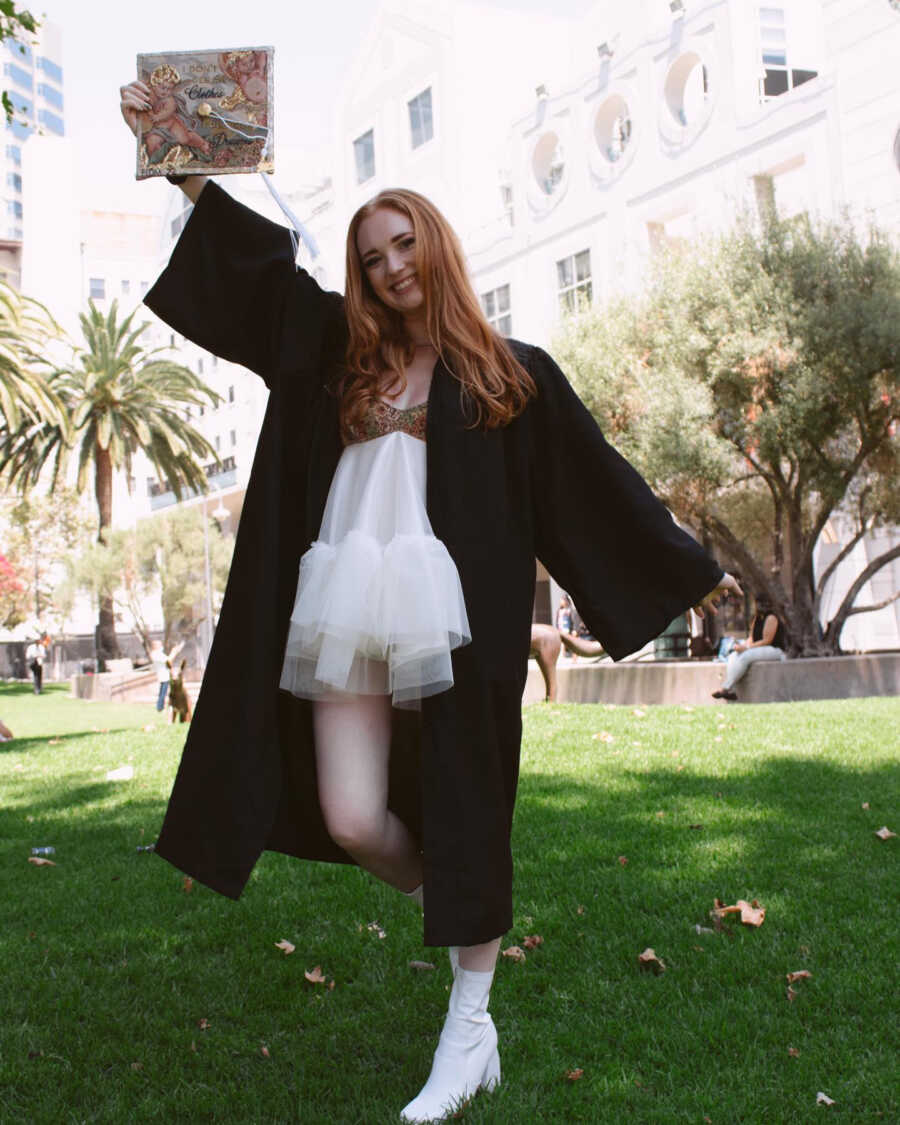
(355, 830)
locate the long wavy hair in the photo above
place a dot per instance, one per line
(494, 386)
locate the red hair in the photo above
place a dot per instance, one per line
(494, 386)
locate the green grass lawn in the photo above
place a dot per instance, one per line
(125, 999)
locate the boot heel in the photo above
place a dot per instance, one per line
(491, 1076)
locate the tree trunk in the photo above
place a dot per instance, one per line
(107, 643)
(846, 608)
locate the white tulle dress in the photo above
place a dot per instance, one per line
(379, 604)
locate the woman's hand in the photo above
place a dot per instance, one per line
(727, 585)
(135, 99)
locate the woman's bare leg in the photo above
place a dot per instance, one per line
(353, 744)
(480, 958)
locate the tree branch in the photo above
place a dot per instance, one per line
(833, 632)
(841, 555)
(871, 608)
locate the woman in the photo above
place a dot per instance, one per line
(326, 768)
(766, 642)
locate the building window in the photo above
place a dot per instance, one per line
(421, 119)
(687, 88)
(200, 366)
(218, 443)
(14, 154)
(14, 233)
(23, 51)
(364, 153)
(52, 122)
(22, 104)
(19, 76)
(573, 282)
(548, 163)
(14, 208)
(215, 361)
(50, 94)
(231, 394)
(14, 180)
(612, 128)
(145, 285)
(778, 76)
(20, 130)
(496, 308)
(97, 288)
(126, 287)
(50, 69)
(202, 410)
(233, 436)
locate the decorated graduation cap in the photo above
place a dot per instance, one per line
(212, 114)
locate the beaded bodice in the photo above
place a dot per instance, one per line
(383, 418)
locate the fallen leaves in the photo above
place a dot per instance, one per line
(123, 773)
(793, 1052)
(575, 1074)
(823, 1099)
(791, 993)
(315, 976)
(285, 946)
(752, 914)
(865, 805)
(188, 885)
(801, 974)
(421, 966)
(203, 1024)
(514, 953)
(264, 1051)
(604, 736)
(648, 961)
(885, 833)
(39, 861)
(374, 928)
(623, 860)
(532, 941)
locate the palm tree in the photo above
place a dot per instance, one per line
(26, 328)
(119, 397)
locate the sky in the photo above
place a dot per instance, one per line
(314, 43)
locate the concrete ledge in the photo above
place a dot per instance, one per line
(675, 681)
(113, 686)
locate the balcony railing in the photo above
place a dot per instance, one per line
(215, 472)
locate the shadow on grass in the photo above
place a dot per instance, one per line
(50, 741)
(15, 688)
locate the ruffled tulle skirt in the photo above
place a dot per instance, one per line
(379, 605)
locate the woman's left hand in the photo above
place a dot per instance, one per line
(727, 585)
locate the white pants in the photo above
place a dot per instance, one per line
(739, 662)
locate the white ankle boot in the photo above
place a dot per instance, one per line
(466, 1058)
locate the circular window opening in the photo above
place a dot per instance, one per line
(687, 88)
(548, 163)
(612, 128)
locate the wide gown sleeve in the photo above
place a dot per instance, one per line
(600, 531)
(231, 286)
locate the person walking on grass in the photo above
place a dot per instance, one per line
(161, 662)
(35, 655)
(362, 700)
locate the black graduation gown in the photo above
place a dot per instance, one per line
(547, 485)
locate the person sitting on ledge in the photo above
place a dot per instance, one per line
(766, 642)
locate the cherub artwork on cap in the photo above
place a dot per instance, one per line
(212, 112)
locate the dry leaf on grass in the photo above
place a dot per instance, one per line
(203, 1024)
(264, 1051)
(137, 1066)
(514, 953)
(698, 929)
(801, 974)
(793, 1052)
(188, 885)
(374, 928)
(823, 1099)
(695, 826)
(865, 805)
(315, 976)
(623, 860)
(574, 1075)
(660, 814)
(532, 941)
(638, 712)
(885, 833)
(791, 993)
(580, 910)
(752, 914)
(285, 946)
(53, 742)
(649, 961)
(39, 861)
(421, 965)
(604, 736)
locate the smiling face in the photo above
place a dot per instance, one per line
(387, 250)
